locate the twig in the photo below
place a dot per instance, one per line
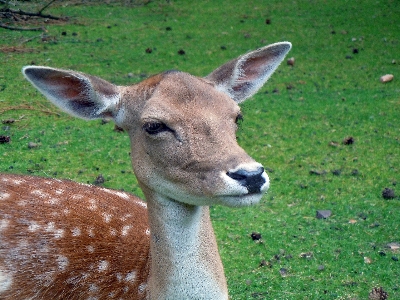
(29, 107)
(22, 29)
(46, 6)
(25, 13)
(30, 39)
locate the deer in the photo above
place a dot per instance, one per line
(61, 239)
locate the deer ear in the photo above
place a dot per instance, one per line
(244, 76)
(80, 95)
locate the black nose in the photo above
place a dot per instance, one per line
(252, 180)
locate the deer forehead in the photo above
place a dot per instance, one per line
(182, 97)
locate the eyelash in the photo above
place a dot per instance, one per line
(154, 128)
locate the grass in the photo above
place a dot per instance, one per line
(331, 93)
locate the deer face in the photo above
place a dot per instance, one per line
(184, 145)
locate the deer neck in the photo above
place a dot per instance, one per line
(185, 263)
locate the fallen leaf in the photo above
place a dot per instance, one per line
(367, 260)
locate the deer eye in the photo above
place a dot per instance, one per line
(154, 128)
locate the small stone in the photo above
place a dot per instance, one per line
(168, 28)
(181, 52)
(348, 140)
(290, 61)
(321, 267)
(268, 21)
(395, 258)
(388, 194)
(367, 260)
(32, 145)
(149, 50)
(317, 172)
(307, 255)
(393, 246)
(283, 272)
(265, 263)
(323, 214)
(8, 121)
(4, 139)
(99, 180)
(378, 294)
(333, 144)
(255, 236)
(386, 78)
(355, 51)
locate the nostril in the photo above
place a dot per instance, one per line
(237, 175)
(242, 174)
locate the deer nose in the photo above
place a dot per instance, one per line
(252, 180)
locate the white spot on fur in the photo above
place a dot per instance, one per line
(53, 201)
(50, 227)
(103, 265)
(66, 211)
(5, 281)
(40, 193)
(119, 277)
(33, 226)
(93, 205)
(130, 277)
(125, 229)
(113, 232)
(22, 203)
(4, 224)
(147, 231)
(59, 191)
(93, 288)
(58, 233)
(124, 218)
(77, 197)
(107, 217)
(4, 195)
(62, 262)
(18, 182)
(91, 232)
(142, 288)
(76, 231)
(90, 249)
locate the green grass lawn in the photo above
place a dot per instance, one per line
(295, 126)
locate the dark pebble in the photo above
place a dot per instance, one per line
(256, 236)
(388, 194)
(323, 214)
